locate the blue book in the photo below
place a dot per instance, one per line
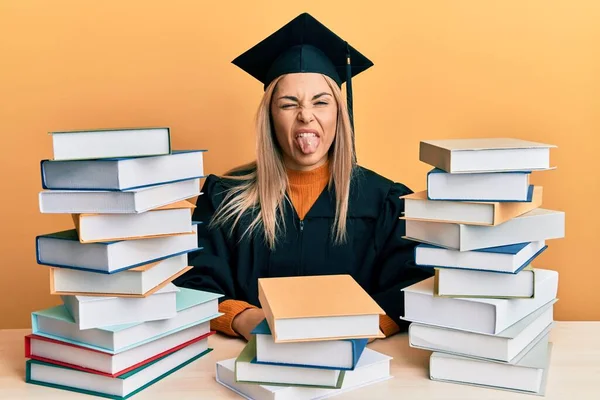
(481, 187)
(330, 354)
(121, 387)
(125, 173)
(194, 307)
(63, 249)
(509, 259)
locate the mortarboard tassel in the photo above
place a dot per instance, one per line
(349, 97)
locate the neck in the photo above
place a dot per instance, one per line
(317, 174)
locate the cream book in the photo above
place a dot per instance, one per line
(325, 307)
(169, 220)
(485, 155)
(418, 207)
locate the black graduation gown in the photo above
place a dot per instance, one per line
(375, 253)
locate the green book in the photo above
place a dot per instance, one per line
(121, 387)
(247, 370)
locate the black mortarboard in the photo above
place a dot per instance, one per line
(304, 45)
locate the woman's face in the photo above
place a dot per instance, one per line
(304, 116)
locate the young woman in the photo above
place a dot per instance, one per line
(304, 207)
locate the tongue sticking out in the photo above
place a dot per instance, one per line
(308, 144)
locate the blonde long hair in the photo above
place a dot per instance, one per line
(262, 185)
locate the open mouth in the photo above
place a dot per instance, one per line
(307, 141)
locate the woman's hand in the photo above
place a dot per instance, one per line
(247, 320)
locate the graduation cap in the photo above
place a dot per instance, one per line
(305, 45)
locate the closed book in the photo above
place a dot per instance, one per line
(504, 346)
(491, 186)
(97, 362)
(334, 354)
(325, 307)
(248, 371)
(140, 281)
(96, 312)
(418, 207)
(485, 155)
(373, 367)
(536, 225)
(194, 307)
(63, 249)
(172, 219)
(121, 387)
(122, 173)
(528, 375)
(108, 143)
(465, 283)
(504, 259)
(116, 202)
(480, 315)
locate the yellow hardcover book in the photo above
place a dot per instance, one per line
(417, 207)
(313, 308)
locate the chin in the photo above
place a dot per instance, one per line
(310, 160)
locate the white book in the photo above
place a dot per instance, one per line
(172, 219)
(528, 375)
(485, 155)
(372, 367)
(120, 387)
(504, 346)
(63, 249)
(506, 259)
(493, 186)
(139, 281)
(116, 202)
(44, 349)
(480, 315)
(538, 224)
(96, 312)
(122, 173)
(194, 307)
(108, 143)
(465, 283)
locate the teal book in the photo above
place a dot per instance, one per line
(121, 387)
(194, 307)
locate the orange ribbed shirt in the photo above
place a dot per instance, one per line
(304, 189)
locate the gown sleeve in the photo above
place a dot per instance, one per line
(394, 266)
(211, 270)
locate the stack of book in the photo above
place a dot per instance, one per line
(312, 343)
(123, 325)
(487, 312)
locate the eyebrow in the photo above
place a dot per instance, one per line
(316, 96)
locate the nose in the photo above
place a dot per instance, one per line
(305, 115)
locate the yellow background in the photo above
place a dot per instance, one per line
(443, 69)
